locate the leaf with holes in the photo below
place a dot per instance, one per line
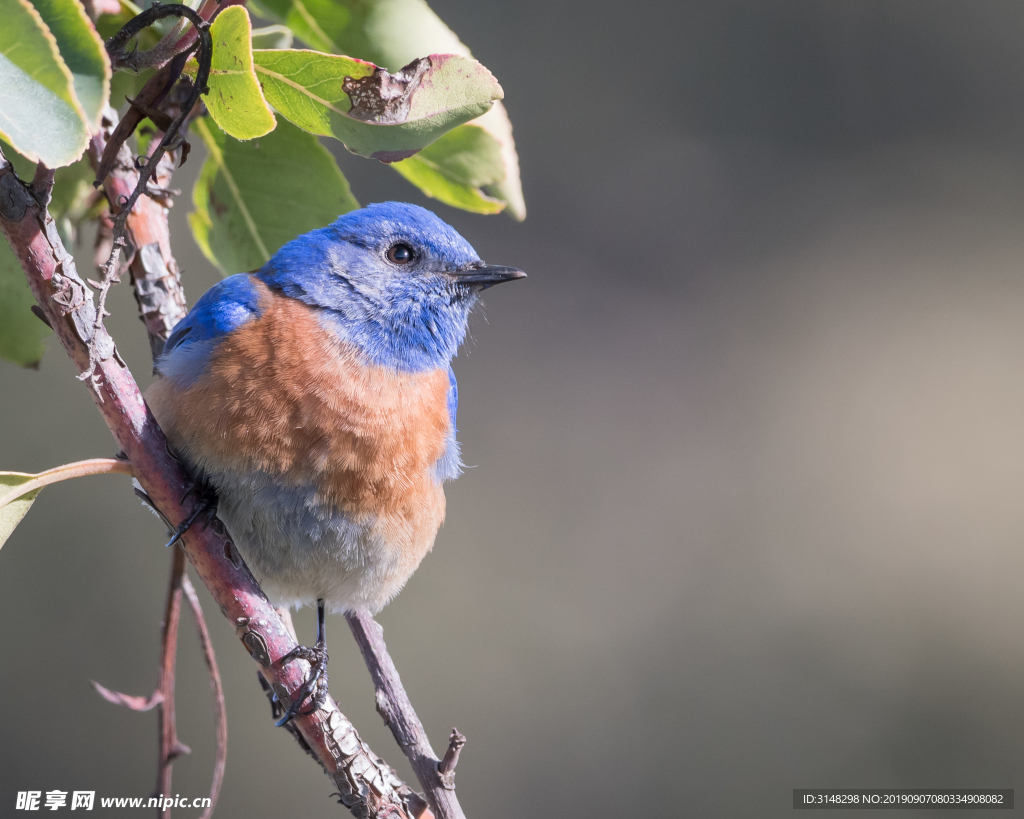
(81, 48)
(240, 219)
(39, 112)
(391, 33)
(235, 100)
(373, 112)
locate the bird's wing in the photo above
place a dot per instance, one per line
(222, 309)
(453, 397)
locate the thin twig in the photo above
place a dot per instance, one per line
(115, 45)
(174, 42)
(155, 276)
(446, 767)
(394, 706)
(368, 786)
(161, 300)
(114, 142)
(170, 747)
(414, 801)
(220, 712)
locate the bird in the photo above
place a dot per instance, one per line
(316, 398)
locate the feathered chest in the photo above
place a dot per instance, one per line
(282, 396)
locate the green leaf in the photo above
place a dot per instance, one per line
(73, 194)
(12, 514)
(272, 37)
(392, 116)
(39, 112)
(235, 100)
(252, 197)
(82, 50)
(455, 168)
(18, 490)
(391, 33)
(24, 168)
(21, 333)
(312, 20)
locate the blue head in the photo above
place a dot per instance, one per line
(392, 279)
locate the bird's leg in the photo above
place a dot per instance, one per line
(315, 687)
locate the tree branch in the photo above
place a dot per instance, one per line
(125, 204)
(446, 767)
(161, 300)
(170, 747)
(394, 706)
(220, 712)
(155, 276)
(366, 784)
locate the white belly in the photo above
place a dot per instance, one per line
(302, 549)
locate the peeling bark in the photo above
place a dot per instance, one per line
(155, 277)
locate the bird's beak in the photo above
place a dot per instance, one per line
(484, 275)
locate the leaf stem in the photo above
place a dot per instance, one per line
(79, 469)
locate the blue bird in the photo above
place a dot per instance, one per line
(316, 397)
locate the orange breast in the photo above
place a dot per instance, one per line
(283, 396)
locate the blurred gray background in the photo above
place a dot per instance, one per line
(748, 445)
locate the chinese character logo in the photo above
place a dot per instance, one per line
(56, 799)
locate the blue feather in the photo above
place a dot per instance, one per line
(412, 318)
(222, 309)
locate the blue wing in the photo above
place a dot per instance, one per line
(222, 309)
(453, 397)
(449, 465)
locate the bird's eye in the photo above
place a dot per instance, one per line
(400, 253)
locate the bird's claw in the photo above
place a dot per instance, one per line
(314, 688)
(207, 509)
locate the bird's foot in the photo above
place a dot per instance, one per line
(314, 688)
(206, 509)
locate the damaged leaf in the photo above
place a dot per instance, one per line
(235, 100)
(391, 33)
(373, 112)
(238, 220)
